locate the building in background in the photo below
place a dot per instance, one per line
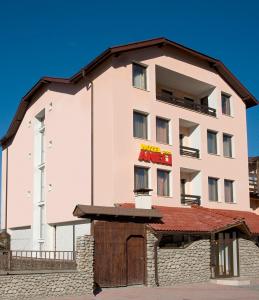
(254, 182)
(149, 123)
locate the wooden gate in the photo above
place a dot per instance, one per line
(119, 254)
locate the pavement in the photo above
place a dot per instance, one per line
(201, 291)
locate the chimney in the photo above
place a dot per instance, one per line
(143, 198)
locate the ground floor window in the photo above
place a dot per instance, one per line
(178, 240)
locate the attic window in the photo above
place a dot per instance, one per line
(139, 76)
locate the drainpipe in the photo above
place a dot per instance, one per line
(91, 85)
(6, 187)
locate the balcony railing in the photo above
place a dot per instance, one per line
(187, 104)
(190, 199)
(254, 186)
(187, 151)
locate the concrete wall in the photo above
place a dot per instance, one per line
(248, 258)
(21, 239)
(177, 265)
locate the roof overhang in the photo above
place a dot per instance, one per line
(115, 213)
(216, 64)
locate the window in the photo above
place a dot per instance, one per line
(212, 142)
(163, 183)
(205, 101)
(178, 240)
(139, 76)
(140, 125)
(183, 184)
(141, 178)
(162, 131)
(227, 145)
(228, 189)
(213, 189)
(225, 102)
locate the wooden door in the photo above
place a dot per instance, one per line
(118, 253)
(135, 260)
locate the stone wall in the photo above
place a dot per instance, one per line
(150, 259)
(248, 258)
(178, 265)
(53, 283)
(31, 286)
(184, 265)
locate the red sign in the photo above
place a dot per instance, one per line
(156, 157)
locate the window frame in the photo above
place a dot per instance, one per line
(168, 142)
(231, 144)
(148, 176)
(146, 115)
(209, 131)
(169, 181)
(217, 189)
(226, 96)
(145, 67)
(232, 191)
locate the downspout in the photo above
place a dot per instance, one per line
(91, 85)
(6, 187)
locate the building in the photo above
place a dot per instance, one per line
(254, 182)
(152, 123)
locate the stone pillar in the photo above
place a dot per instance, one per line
(85, 258)
(150, 259)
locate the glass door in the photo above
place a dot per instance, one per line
(227, 254)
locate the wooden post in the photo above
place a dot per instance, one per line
(213, 255)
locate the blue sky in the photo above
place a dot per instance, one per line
(56, 38)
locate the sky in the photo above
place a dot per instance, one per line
(57, 38)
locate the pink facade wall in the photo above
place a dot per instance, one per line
(115, 149)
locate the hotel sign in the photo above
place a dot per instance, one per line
(155, 155)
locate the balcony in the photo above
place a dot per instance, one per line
(190, 186)
(254, 176)
(182, 102)
(188, 151)
(190, 138)
(185, 91)
(190, 199)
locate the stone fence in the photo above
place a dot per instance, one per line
(31, 285)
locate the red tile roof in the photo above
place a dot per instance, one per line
(251, 219)
(201, 219)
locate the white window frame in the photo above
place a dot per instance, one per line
(148, 174)
(147, 75)
(148, 124)
(232, 145)
(218, 189)
(217, 141)
(169, 182)
(169, 130)
(230, 104)
(233, 191)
